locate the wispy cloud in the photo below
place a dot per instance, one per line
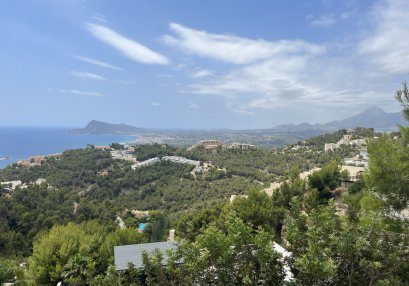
(97, 62)
(155, 103)
(193, 105)
(128, 47)
(87, 75)
(201, 74)
(80, 92)
(322, 21)
(99, 17)
(387, 46)
(292, 71)
(233, 49)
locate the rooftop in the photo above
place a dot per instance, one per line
(133, 253)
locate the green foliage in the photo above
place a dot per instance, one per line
(76, 253)
(402, 95)
(331, 250)
(256, 210)
(325, 180)
(7, 270)
(389, 170)
(235, 257)
(145, 152)
(190, 224)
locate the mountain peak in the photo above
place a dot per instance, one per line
(374, 110)
(100, 127)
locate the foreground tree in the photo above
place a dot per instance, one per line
(389, 164)
(75, 253)
(332, 250)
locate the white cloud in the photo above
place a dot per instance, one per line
(80, 92)
(201, 74)
(97, 62)
(271, 77)
(322, 21)
(387, 47)
(233, 49)
(129, 48)
(274, 74)
(155, 103)
(87, 75)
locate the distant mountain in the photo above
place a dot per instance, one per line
(373, 117)
(99, 127)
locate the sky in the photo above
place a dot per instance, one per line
(199, 64)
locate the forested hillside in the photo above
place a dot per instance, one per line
(64, 227)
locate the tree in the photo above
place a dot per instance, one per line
(332, 250)
(256, 210)
(389, 164)
(67, 253)
(325, 180)
(7, 270)
(402, 95)
(237, 257)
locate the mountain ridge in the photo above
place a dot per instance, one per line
(373, 117)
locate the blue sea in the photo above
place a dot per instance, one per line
(18, 143)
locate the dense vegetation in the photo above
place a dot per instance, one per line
(66, 227)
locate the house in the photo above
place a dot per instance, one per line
(126, 254)
(12, 185)
(102, 147)
(133, 253)
(355, 174)
(330, 147)
(145, 163)
(209, 144)
(289, 276)
(56, 156)
(241, 146)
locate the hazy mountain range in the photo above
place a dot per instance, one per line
(373, 117)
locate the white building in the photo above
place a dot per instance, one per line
(11, 184)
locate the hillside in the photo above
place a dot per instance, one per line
(86, 199)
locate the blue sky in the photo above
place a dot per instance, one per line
(199, 64)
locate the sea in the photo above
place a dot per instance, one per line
(17, 143)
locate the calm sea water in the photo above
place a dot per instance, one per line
(22, 142)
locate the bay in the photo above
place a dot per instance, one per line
(17, 143)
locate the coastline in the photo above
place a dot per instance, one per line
(21, 143)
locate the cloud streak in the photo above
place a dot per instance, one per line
(80, 92)
(201, 74)
(87, 75)
(128, 47)
(97, 63)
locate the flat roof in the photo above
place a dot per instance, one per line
(125, 254)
